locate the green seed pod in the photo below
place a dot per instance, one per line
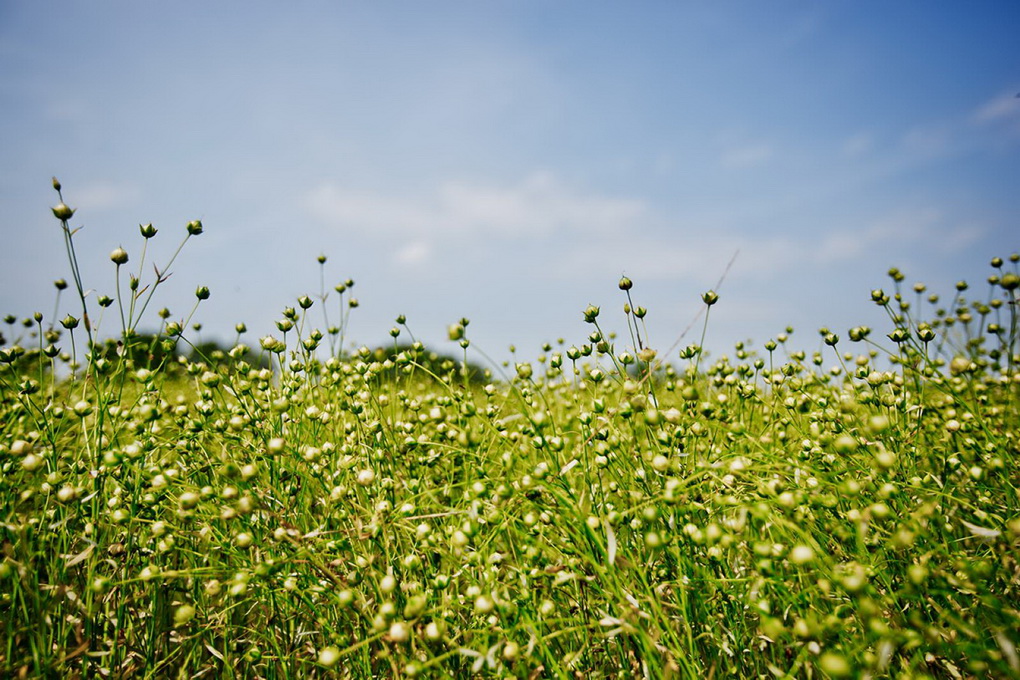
(801, 554)
(119, 256)
(32, 462)
(400, 631)
(329, 657)
(834, 665)
(62, 212)
(1010, 281)
(183, 614)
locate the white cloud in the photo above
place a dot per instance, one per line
(104, 195)
(703, 255)
(414, 253)
(366, 211)
(1001, 114)
(699, 257)
(917, 229)
(858, 145)
(541, 204)
(746, 156)
(927, 141)
(998, 108)
(905, 226)
(664, 163)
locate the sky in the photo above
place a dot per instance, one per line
(508, 162)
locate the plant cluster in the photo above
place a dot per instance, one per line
(599, 512)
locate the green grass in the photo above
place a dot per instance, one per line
(605, 511)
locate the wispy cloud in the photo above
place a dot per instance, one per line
(104, 195)
(414, 253)
(858, 145)
(541, 204)
(747, 156)
(1000, 113)
(981, 129)
(696, 257)
(928, 141)
(1003, 106)
(702, 257)
(928, 229)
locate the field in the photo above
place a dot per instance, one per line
(295, 507)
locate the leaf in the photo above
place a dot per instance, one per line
(80, 557)
(1008, 651)
(636, 605)
(980, 532)
(610, 543)
(78, 651)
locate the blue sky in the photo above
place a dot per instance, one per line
(508, 161)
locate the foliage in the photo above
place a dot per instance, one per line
(428, 364)
(600, 513)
